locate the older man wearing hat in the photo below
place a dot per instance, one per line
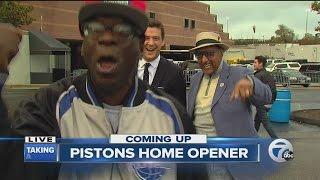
(220, 96)
(109, 99)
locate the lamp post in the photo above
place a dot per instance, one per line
(227, 24)
(307, 11)
(254, 31)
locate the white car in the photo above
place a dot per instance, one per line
(289, 65)
(274, 61)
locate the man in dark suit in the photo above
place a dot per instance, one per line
(158, 71)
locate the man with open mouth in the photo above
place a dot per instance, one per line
(220, 100)
(109, 99)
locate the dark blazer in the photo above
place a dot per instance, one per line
(170, 78)
(264, 76)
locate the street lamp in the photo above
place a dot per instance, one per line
(307, 10)
(227, 24)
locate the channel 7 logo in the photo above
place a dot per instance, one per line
(281, 150)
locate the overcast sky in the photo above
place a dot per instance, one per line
(265, 15)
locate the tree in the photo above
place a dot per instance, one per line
(309, 39)
(248, 41)
(14, 13)
(283, 35)
(315, 6)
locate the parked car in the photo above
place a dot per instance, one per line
(300, 61)
(249, 66)
(273, 61)
(234, 56)
(283, 65)
(312, 70)
(291, 76)
(190, 68)
(310, 67)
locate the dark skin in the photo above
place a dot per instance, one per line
(243, 89)
(111, 80)
(9, 45)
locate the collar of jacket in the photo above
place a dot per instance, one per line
(260, 70)
(134, 97)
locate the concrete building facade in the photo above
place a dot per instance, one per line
(283, 51)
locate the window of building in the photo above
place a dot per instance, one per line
(193, 24)
(208, 8)
(215, 18)
(152, 15)
(186, 23)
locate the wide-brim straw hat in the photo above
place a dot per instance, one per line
(205, 39)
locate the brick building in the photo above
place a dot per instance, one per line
(182, 21)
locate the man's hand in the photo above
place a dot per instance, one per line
(243, 89)
(10, 38)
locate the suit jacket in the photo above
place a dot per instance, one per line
(169, 77)
(232, 118)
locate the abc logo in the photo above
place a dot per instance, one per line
(281, 150)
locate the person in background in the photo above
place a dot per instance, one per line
(262, 110)
(157, 71)
(220, 100)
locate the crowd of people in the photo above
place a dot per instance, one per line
(130, 89)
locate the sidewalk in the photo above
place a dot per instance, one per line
(308, 116)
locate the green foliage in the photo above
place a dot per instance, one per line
(14, 13)
(309, 39)
(315, 6)
(283, 35)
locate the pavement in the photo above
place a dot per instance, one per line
(308, 116)
(305, 140)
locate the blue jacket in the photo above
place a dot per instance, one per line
(233, 118)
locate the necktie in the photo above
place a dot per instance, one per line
(146, 73)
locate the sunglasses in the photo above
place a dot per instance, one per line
(200, 54)
(122, 32)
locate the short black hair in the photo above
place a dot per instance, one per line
(157, 24)
(261, 59)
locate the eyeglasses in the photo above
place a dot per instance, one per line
(200, 54)
(121, 32)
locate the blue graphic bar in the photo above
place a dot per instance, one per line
(40, 152)
(119, 153)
